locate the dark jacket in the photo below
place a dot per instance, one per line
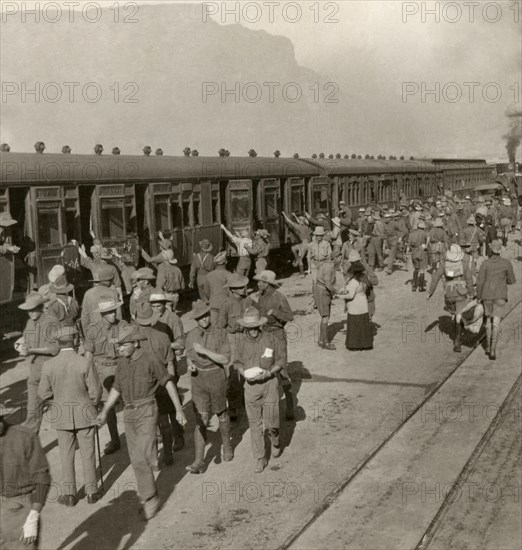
(493, 277)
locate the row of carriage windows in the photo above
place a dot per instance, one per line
(183, 209)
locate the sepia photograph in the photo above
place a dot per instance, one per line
(260, 275)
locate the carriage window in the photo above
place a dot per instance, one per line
(186, 209)
(112, 218)
(130, 216)
(196, 207)
(215, 206)
(49, 224)
(296, 203)
(240, 205)
(176, 212)
(161, 213)
(271, 204)
(320, 198)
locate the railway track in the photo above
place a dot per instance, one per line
(430, 532)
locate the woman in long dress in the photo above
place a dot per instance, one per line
(359, 332)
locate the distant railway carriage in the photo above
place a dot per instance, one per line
(127, 200)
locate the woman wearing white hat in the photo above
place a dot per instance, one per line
(458, 286)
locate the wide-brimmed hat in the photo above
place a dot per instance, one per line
(354, 232)
(362, 209)
(157, 295)
(336, 221)
(421, 225)
(495, 246)
(471, 220)
(319, 231)
(61, 286)
(205, 245)
(56, 272)
(128, 333)
(221, 258)
(108, 304)
(418, 207)
(105, 254)
(506, 201)
(251, 319)
(342, 202)
(171, 297)
(145, 274)
(145, 315)
(438, 222)
(32, 301)
(263, 233)
(267, 276)
(165, 244)
(454, 254)
(354, 256)
(465, 245)
(103, 274)
(237, 281)
(200, 309)
(6, 220)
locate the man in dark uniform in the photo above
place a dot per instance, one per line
(24, 484)
(104, 354)
(273, 305)
(144, 279)
(417, 246)
(202, 264)
(137, 378)
(208, 351)
(264, 350)
(37, 345)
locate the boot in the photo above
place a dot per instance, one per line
(415, 280)
(198, 466)
(458, 337)
(224, 429)
(274, 439)
(488, 337)
(422, 283)
(289, 400)
(494, 339)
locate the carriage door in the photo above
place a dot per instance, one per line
(269, 209)
(206, 214)
(320, 199)
(239, 213)
(294, 201)
(7, 261)
(49, 229)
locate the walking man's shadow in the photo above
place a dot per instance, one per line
(108, 526)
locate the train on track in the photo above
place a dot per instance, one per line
(126, 200)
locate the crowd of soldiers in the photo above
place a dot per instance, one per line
(123, 345)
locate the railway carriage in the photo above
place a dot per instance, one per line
(127, 200)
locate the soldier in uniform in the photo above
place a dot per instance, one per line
(230, 312)
(324, 292)
(216, 286)
(302, 231)
(260, 249)
(63, 306)
(437, 244)
(169, 278)
(273, 305)
(202, 264)
(208, 352)
(417, 245)
(474, 235)
(377, 236)
(73, 384)
(24, 484)
(258, 348)
(37, 345)
(6, 221)
(103, 353)
(319, 252)
(506, 217)
(100, 260)
(394, 235)
(137, 378)
(101, 291)
(337, 241)
(144, 285)
(458, 285)
(241, 242)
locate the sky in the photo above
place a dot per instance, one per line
(426, 78)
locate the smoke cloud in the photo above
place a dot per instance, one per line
(514, 134)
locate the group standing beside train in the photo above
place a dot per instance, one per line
(124, 342)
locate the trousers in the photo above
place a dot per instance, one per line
(375, 252)
(243, 266)
(67, 440)
(140, 429)
(262, 407)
